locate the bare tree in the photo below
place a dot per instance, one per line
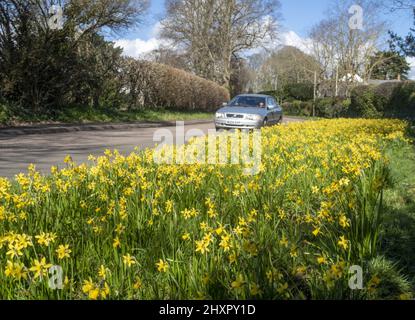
(346, 52)
(287, 65)
(240, 76)
(291, 65)
(216, 31)
(97, 15)
(168, 56)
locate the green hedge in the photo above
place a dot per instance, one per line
(4, 112)
(293, 92)
(324, 108)
(298, 108)
(388, 100)
(332, 107)
(392, 100)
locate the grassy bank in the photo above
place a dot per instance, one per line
(399, 228)
(129, 228)
(90, 115)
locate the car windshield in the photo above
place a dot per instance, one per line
(246, 101)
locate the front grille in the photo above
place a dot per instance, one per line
(234, 116)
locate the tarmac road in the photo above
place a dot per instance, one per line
(44, 150)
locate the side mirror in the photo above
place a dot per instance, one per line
(224, 104)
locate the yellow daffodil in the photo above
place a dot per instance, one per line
(63, 251)
(46, 239)
(238, 283)
(202, 246)
(15, 250)
(316, 232)
(186, 237)
(116, 243)
(321, 260)
(105, 291)
(225, 243)
(40, 268)
(343, 221)
(284, 241)
(15, 270)
(162, 266)
(232, 258)
(343, 243)
(88, 286)
(137, 283)
(93, 294)
(255, 290)
(102, 272)
(169, 206)
(129, 260)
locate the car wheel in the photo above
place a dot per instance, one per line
(265, 123)
(281, 120)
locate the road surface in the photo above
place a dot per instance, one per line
(46, 150)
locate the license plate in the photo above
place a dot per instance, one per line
(232, 122)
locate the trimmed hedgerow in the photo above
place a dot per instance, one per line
(396, 100)
(155, 85)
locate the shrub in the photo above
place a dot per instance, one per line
(293, 92)
(278, 95)
(363, 103)
(391, 100)
(299, 91)
(383, 94)
(325, 107)
(401, 103)
(160, 85)
(298, 108)
(332, 107)
(4, 113)
(394, 100)
(385, 281)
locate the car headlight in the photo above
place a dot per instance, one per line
(220, 115)
(252, 117)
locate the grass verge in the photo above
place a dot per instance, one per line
(90, 115)
(399, 227)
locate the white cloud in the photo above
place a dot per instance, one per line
(289, 38)
(155, 32)
(411, 61)
(137, 47)
(292, 39)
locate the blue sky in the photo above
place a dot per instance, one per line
(301, 15)
(297, 15)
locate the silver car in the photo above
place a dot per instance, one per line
(249, 111)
